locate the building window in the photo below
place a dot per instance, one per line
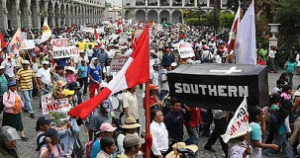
(140, 2)
(152, 2)
(177, 3)
(164, 3)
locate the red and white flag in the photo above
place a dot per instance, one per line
(134, 72)
(97, 38)
(2, 42)
(234, 28)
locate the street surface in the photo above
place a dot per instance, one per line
(27, 149)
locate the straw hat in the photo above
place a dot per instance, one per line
(130, 123)
(174, 153)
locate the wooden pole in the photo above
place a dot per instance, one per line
(147, 110)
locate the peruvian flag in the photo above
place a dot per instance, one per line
(134, 72)
(2, 42)
(97, 38)
(232, 34)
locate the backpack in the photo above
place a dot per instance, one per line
(88, 147)
(274, 122)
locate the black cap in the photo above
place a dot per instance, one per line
(74, 86)
(52, 133)
(43, 121)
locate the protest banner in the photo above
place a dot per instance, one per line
(84, 45)
(62, 48)
(58, 111)
(51, 105)
(185, 50)
(117, 63)
(239, 124)
(30, 44)
(17, 43)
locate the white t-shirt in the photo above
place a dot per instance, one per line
(44, 75)
(155, 77)
(9, 67)
(130, 101)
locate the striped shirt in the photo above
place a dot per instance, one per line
(25, 79)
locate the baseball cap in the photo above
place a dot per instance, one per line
(43, 121)
(12, 83)
(45, 62)
(107, 127)
(74, 86)
(68, 92)
(132, 140)
(25, 62)
(52, 133)
(106, 105)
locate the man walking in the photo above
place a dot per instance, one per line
(220, 128)
(130, 104)
(25, 78)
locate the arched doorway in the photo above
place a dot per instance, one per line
(140, 15)
(177, 16)
(127, 14)
(164, 16)
(152, 15)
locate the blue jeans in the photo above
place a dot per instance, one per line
(27, 95)
(287, 151)
(193, 136)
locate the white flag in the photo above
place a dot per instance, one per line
(245, 45)
(46, 32)
(239, 124)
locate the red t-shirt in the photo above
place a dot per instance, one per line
(195, 117)
(261, 62)
(152, 101)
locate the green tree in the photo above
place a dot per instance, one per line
(226, 19)
(288, 16)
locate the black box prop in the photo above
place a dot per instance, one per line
(219, 86)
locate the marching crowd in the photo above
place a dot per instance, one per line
(33, 73)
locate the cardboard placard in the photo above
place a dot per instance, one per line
(185, 50)
(117, 63)
(50, 105)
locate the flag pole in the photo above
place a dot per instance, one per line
(147, 110)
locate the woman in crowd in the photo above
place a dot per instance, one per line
(12, 109)
(51, 147)
(290, 67)
(82, 75)
(70, 74)
(42, 125)
(8, 141)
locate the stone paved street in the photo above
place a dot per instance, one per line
(27, 149)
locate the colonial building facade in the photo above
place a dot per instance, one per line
(166, 10)
(31, 13)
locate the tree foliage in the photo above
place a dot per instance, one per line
(226, 19)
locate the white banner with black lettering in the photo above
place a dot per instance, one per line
(239, 124)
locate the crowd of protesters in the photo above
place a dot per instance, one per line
(35, 72)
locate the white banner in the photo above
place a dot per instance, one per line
(117, 63)
(51, 105)
(239, 124)
(62, 48)
(29, 44)
(185, 50)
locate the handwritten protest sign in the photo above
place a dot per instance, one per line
(58, 111)
(50, 105)
(239, 124)
(62, 49)
(185, 50)
(117, 63)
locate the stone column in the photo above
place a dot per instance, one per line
(171, 18)
(67, 15)
(63, 14)
(73, 14)
(195, 3)
(171, 3)
(208, 3)
(146, 2)
(36, 16)
(3, 17)
(158, 3)
(16, 18)
(83, 15)
(51, 17)
(26, 21)
(182, 2)
(59, 12)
